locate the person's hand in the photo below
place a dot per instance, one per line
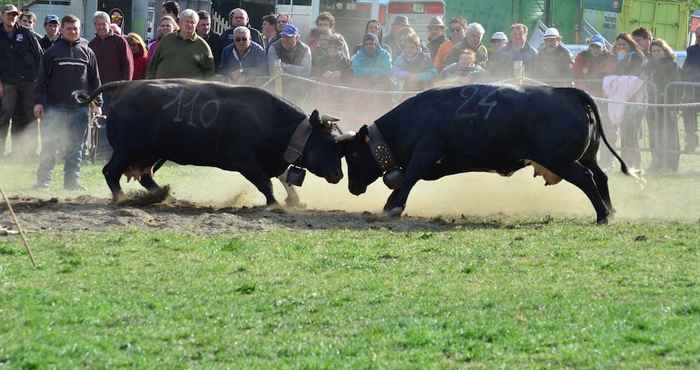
(236, 75)
(97, 111)
(38, 111)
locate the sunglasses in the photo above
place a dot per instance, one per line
(456, 29)
(241, 39)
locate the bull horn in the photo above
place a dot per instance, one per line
(326, 120)
(345, 137)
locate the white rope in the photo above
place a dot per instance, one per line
(268, 82)
(347, 88)
(654, 105)
(502, 82)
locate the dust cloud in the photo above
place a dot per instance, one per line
(471, 194)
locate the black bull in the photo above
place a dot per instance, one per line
(482, 128)
(191, 122)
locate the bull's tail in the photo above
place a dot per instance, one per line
(590, 103)
(84, 97)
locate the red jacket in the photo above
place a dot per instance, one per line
(140, 66)
(113, 57)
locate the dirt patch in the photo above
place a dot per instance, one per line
(86, 213)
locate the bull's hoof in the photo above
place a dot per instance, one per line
(275, 208)
(294, 203)
(394, 212)
(602, 221)
(119, 198)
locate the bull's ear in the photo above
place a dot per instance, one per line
(363, 134)
(314, 119)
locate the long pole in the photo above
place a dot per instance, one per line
(19, 228)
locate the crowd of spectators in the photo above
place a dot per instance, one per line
(185, 46)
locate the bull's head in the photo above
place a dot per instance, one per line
(321, 155)
(362, 168)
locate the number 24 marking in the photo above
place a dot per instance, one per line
(469, 93)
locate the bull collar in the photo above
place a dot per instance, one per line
(380, 149)
(297, 142)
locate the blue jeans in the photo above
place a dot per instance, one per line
(62, 133)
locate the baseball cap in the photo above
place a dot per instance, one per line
(400, 20)
(9, 8)
(598, 40)
(289, 30)
(436, 22)
(552, 33)
(51, 18)
(499, 36)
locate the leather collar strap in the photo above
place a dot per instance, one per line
(380, 149)
(301, 135)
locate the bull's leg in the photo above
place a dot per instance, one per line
(292, 196)
(113, 172)
(390, 201)
(421, 163)
(601, 181)
(583, 178)
(262, 183)
(147, 182)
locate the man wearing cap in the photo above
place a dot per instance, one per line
(595, 62)
(436, 36)
(239, 17)
(51, 29)
(554, 60)
(294, 55)
(20, 57)
(392, 42)
(517, 51)
(498, 41)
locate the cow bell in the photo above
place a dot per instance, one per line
(393, 178)
(296, 176)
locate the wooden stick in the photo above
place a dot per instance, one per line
(19, 228)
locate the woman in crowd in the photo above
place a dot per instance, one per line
(413, 69)
(167, 25)
(662, 69)
(138, 50)
(374, 27)
(629, 59)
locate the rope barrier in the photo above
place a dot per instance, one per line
(501, 82)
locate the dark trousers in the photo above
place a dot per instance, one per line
(664, 140)
(690, 121)
(630, 130)
(18, 102)
(62, 136)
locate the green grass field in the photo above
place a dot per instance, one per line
(539, 295)
(530, 291)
